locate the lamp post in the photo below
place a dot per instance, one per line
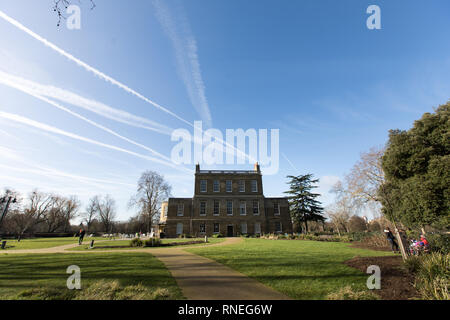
(8, 201)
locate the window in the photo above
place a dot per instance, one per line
(241, 186)
(229, 207)
(229, 185)
(216, 207)
(244, 227)
(278, 226)
(216, 186)
(256, 207)
(179, 228)
(257, 228)
(202, 185)
(203, 208)
(202, 228)
(276, 208)
(254, 186)
(180, 210)
(216, 228)
(242, 208)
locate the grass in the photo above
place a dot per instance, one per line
(300, 269)
(120, 244)
(45, 274)
(42, 243)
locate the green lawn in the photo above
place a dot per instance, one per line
(120, 243)
(299, 269)
(23, 272)
(41, 243)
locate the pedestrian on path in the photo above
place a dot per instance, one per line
(392, 241)
(80, 239)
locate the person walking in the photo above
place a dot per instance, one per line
(390, 237)
(80, 239)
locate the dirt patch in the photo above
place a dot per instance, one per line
(396, 283)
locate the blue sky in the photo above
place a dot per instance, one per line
(309, 68)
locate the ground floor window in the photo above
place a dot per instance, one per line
(216, 227)
(244, 227)
(278, 226)
(257, 228)
(179, 228)
(202, 228)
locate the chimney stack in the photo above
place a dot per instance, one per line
(257, 168)
(197, 168)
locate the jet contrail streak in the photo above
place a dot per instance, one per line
(102, 75)
(51, 129)
(57, 105)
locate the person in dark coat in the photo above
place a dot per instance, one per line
(80, 239)
(392, 241)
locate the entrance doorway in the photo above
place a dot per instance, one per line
(230, 232)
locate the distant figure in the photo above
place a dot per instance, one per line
(391, 240)
(80, 239)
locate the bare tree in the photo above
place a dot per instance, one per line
(54, 217)
(152, 190)
(70, 211)
(106, 208)
(38, 205)
(91, 212)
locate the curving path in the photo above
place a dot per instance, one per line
(199, 278)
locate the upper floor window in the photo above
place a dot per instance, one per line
(242, 208)
(216, 207)
(276, 208)
(202, 185)
(180, 209)
(256, 207)
(203, 208)
(254, 186)
(229, 184)
(241, 186)
(216, 186)
(229, 207)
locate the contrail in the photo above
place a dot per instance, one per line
(87, 67)
(51, 129)
(82, 102)
(186, 55)
(57, 105)
(289, 161)
(103, 76)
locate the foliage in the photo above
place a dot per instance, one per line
(347, 293)
(217, 235)
(136, 242)
(439, 242)
(417, 172)
(432, 273)
(302, 201)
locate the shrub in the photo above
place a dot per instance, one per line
(217, 235)
(136, 242)
(347, 293)
(433, 276)
(412, 264)
(439, 242)
(153, 242)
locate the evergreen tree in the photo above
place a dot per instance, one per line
(303, 205)
(417, 172)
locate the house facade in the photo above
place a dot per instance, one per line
(226, 202)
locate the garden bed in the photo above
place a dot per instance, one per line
(396, 282)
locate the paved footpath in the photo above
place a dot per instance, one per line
(199, 278)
